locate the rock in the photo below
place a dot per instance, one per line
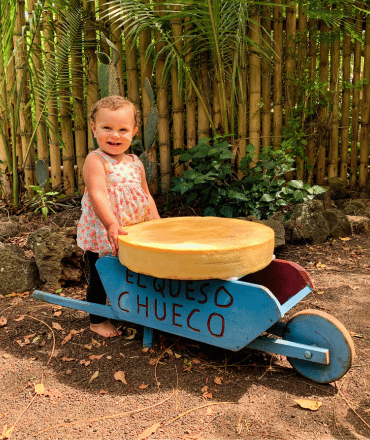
(18, 273)
(307, 224)
(56, 252)
(338, 223)
(8, 229)
(337, 188)
(359, 224)
(279, 230)
(356, 207)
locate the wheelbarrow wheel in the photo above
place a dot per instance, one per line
(317, 328)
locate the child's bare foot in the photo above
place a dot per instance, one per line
(105, 329)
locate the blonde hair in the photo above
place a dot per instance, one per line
(114, 102)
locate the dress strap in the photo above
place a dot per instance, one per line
(105, 156)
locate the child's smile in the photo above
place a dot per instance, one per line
(114, 130)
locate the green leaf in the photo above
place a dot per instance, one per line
(227, 211)
(296, 184)
(209, 212)
(237, 195)
(266, 198)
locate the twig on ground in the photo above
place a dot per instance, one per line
(52, 331)
(199, 407)
(159, 358)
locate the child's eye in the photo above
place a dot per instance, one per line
(106, 128)
(123, 129)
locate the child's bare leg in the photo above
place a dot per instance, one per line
(105, 329)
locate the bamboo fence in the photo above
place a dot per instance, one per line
(336, 135)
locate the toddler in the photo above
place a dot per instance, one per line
(116, 193)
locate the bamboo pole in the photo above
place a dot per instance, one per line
(290, 63)
(5, 139)
(41, 134)
(117, 41)
(266, 78)
(365, 115)
(255, 84)
(66, 130)
(132, 69)
(216, 105)
(355, 104)
(301, 67)
(323, 112)
(52, 107)
(346, 102)
(146, 69)
(311, 141)
(177, 101)
(163, 124)
(190, 107)
(91, 65)
(204, 88)
(79, 115)
(25, 117)
(242, 115)
(334, 87)
(277, 74)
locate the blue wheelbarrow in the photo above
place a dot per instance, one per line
(231, 314)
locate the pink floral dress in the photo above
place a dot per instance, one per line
(127, 199)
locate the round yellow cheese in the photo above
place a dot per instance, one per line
(196, 248)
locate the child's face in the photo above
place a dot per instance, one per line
(114, 129)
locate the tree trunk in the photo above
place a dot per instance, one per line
(163, 124)
(311, 142)
(66, 131)
(255, 85)
(365, 115)
(290, 63)
(266, 78)
(277, 75)
(91, 67)
(346, 102)
(323, 112)
(25, 117)
(177, 101)
(52, 108)
(334, 87)
(355, 104)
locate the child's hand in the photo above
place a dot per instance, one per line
(113, 232)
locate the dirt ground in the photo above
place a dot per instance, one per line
(60, 381)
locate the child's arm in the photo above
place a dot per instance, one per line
(94, 177)
(144, 185)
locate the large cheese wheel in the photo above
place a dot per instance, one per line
(196, 248)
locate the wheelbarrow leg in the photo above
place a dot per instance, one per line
(148, 337)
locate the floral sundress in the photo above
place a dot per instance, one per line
(127, 199)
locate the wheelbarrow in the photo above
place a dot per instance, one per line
(233, 314)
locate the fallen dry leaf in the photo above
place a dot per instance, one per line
(19, 342)
(6, 433)
(39, 388)
(143, 386)
(5, 355)
(131, 333)
(67, 359)
(149, 431)
(20, 318)
(52, 393)
(69, 372)
(120, 375)
(88, 347)
(84, 362)
(94, 376)
(207, 396)
(218, 380)
(145, 350)
(312, 405)
(56, 326)
(96, 356)
(344, 238)
(3, 321)
(103, 392)
(209, 411)
(204, 389)
(58, 313)
(177, 356)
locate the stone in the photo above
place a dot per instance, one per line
(356, 207)
(359, 224)
(337, 188)
(18, 273)
(279, 230)
(56, 251)
(8, 229)
(338, 223)
(307, 224)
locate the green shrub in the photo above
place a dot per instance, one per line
(261, 192)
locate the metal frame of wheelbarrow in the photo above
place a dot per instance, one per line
(230, 314)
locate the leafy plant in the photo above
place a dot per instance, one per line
(43, 200)
(260, 192)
